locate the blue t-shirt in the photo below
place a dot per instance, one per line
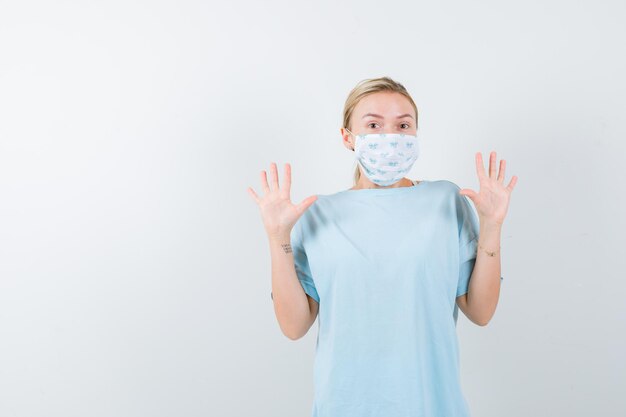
(386, 266)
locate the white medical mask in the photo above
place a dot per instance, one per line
(385, 158)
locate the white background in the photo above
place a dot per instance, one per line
(134, 267)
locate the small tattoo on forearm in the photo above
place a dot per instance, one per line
(286, 247)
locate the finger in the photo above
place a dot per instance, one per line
(266, 188)
(274, 176)
(254, 195)
(285, 190)
(492, 164)
(502, 170)
(469, 193)
(480, 166)
(301, 208)
(512, 183)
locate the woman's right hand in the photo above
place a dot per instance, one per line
(278, 212)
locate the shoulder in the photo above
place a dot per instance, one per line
(448, 185)
(445, 187)
(447, 193)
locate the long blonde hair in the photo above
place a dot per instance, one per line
(365, 88)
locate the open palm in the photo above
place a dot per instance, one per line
(492, 200)
(278, 212)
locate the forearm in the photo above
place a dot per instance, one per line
(484, 286)
(290, 301)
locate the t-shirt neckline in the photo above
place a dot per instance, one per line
(392, 190)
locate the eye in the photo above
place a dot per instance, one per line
(370, 124)
(407, 125)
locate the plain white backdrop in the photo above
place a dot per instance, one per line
(134, 267)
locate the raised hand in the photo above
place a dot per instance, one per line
(492, 200)
(278, 212)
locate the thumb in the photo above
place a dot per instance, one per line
(306, 203)
(469, 193)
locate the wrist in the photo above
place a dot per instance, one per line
(491, 252)
(487, 224)
(279, 237)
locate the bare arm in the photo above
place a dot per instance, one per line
(295, 310)
(492, 202)
(479, 303)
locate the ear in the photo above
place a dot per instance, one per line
(346, 138)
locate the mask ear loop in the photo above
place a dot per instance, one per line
(351, 134)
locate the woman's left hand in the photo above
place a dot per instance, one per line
(492, 201)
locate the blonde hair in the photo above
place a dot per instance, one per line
(365, 88)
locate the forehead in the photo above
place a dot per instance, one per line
(386, 103)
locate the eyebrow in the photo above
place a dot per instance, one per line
(381, 117)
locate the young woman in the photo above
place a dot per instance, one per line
(386, 264)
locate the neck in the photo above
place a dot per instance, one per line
(365, 183)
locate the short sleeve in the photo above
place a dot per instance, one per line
(467, 260)
(301, 263)
(468, 227)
